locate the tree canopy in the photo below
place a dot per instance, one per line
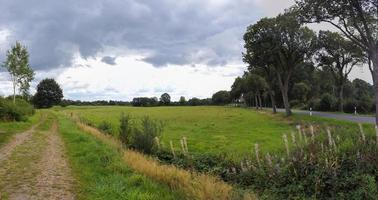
(48, 94)
(17, 64)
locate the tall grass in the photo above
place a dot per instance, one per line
(194, 185)
(323, 165)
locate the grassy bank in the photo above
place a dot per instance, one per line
(101, 172)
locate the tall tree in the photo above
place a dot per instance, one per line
(282, 44)
(356, 19)
(338, 55)
(17, 64)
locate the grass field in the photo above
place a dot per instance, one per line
(209, 129)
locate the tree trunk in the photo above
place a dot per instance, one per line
(375, 79)
(260, 102)
(256, 103)
(284, 87)
(273, 101)
(341, 98)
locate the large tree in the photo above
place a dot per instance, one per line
(48, 94)
(338, 56)
(17, 64)
(282, 45)
(165, 99)
(356, 19)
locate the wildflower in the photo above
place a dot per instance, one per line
(376, 133)
(157, 142)
(299, 133)
(257, 154)
(293, 137)
(172, 149)
(286, 144)
(330, 140)
(312, 133)
(362, 133)
(269, 160)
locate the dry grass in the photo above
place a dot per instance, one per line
(194, 185)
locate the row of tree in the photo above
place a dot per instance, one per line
(280, 50)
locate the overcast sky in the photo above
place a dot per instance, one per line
(120, 49)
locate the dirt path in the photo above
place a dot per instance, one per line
(18, 139)
(55, 180)
(37, 168)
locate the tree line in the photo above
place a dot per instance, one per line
(286, 59)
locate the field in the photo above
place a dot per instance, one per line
(56, 150)
(208, 129)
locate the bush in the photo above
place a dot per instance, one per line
(125, 129)
(327, 102)
(143, 139)
(15, 112)
(105, 127)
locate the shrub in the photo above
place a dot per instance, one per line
(125, 129)
(143, 139)
(327, 102)
(105, 127)
(15, 112)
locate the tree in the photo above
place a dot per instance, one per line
(237, 89)
(339, 56)
(182, 100)
(48, 94)
(165, 99)
(282, 45)
(300, 91)
(356, 19)
(221, 98)
(257, 85)
(17, 64)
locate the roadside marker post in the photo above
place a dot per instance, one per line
(355, 110)
(310, 111)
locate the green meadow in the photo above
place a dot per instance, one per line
(208, 129)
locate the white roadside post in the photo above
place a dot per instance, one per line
(355, 110)
(310, 111)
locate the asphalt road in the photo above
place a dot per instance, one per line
(349, 117)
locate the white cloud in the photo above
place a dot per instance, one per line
(132, 77)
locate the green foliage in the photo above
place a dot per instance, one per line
(105, 127)
(165, 99)
(182, 100)
(144, 102)
(300, 91)
(327, 102)
(125, 129)
(48, 94)
(221, 98)
(143, 138)
(15, 112)
(17, 64)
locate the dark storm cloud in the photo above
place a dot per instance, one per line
(169, 31)
(109, 60)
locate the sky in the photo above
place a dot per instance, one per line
(121, 49)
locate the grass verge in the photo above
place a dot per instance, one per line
(101, 172)
(194, 185)
(7, 129)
